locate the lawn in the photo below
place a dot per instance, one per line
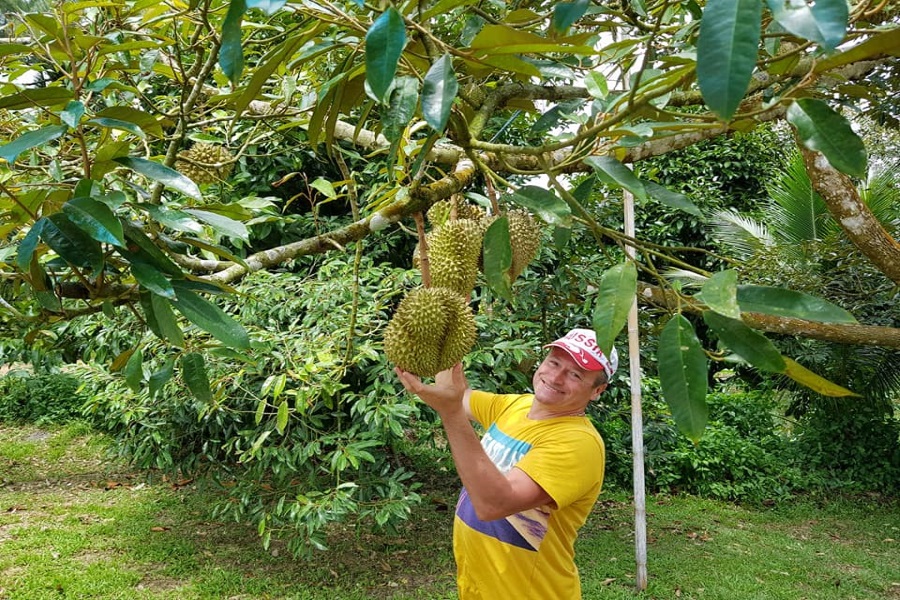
(73, 526)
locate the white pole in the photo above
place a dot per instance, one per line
(637, 420)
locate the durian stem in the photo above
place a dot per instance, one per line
(492, 194)
(424, 265)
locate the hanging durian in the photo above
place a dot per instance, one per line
(454, 251)
(524, 239)
(441, 212)
(432, 329)
(205, 163)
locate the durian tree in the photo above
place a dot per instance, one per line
(122, 123)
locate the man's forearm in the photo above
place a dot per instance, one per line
(488, 488)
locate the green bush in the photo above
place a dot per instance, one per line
(850, 445)
(40, 398)
(741, 456)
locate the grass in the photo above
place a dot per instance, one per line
(72, 526)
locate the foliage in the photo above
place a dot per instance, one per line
(232, 346)
(302, 434)
(848, 449)
(40, 398)
(744, 455)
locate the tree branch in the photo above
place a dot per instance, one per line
(843, 201)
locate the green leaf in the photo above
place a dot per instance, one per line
(726, 52)
(324, 187)
(141, 249)
(438, 92)
(161, 318)
(566, 13)
(209, 317)
(819, 384)
(783, 302)
(615, 174)
(29, 244)
(46, 97)
(750, 345)
(96, 219)
(543, 203)
(162, 174)
(71, 243)
(193, 370)
(72, 114)
(159, 379)
(498, 258)
(134, 370)
(596, 85)
(821, 129)
(260, 410)
(119, 124)
(173, 219)
(384, 44)
(222, 225)
(150, 278)
(140, 119)
(682, 376)
(886, 42)
(615, 298)
(231, 56)
(667, 197)
(32, 139)
(822, 21)
(281, 420)
(719, 293)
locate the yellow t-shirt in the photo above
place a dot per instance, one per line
(529, 555)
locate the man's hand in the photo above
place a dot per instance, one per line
(445, 396)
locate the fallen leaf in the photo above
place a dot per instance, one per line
(160, 528)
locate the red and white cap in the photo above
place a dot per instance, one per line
(581, 344)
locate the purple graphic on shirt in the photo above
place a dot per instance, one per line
(524, 530)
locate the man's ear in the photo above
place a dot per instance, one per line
(599, 390)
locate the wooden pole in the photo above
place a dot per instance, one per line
(637, 420)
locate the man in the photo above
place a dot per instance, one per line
(530, 482)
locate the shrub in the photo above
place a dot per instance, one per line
(851, 446)
(742, 456)
(41, 398)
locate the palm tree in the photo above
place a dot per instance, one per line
(796, 243)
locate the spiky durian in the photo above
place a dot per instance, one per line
(432, 329)
(456, 207)
(524, 239)
(454, 252)
(205, 163)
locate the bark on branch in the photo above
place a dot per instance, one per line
(841, 333)
(852, 214)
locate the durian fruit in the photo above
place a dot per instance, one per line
(205, 163)
(524, 239)
(432, 329)
(441, 212)
(454, 251)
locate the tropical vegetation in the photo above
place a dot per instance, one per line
(211, 210)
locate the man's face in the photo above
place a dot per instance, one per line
(559, 382)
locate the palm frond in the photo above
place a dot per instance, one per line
(687, 278)
(882, 195)
(742, 235)
(798, 214)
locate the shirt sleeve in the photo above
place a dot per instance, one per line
(487, 407)
(567, 465)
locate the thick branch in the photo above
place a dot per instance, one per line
(840, 333)
(854, 217)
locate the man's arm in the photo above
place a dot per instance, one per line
(493, 494)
